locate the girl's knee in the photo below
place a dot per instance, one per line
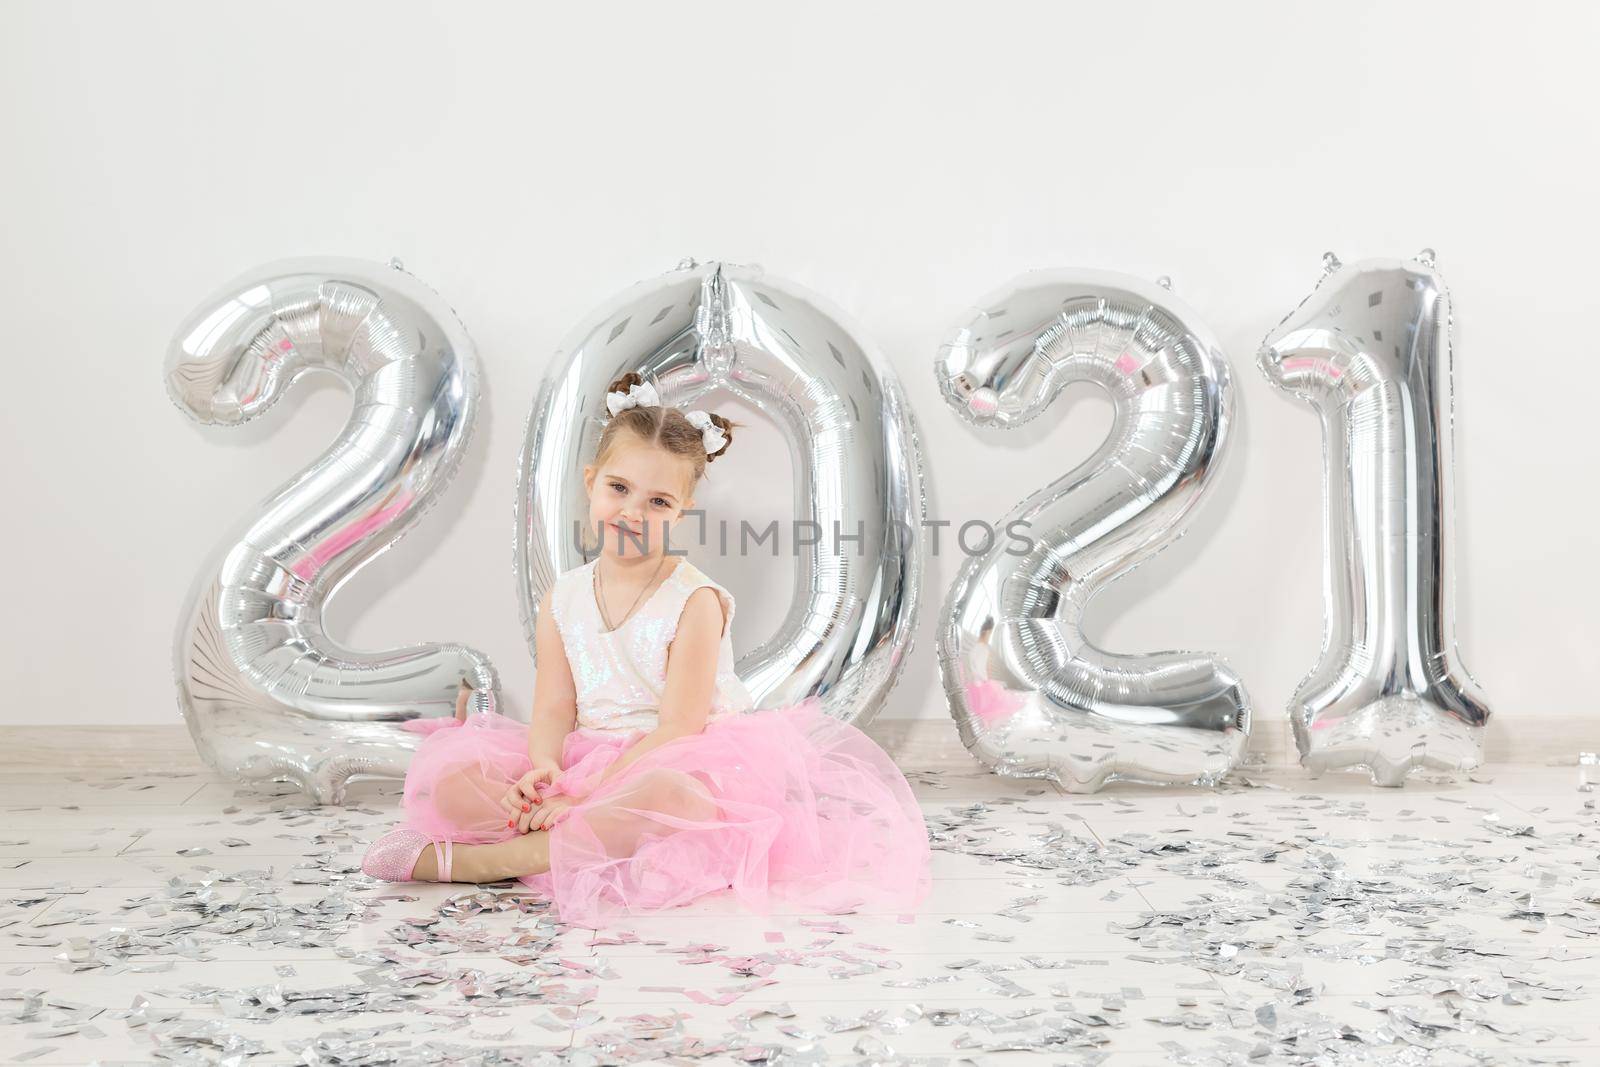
(469, 800)
(674, 793)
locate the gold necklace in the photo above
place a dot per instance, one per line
(606, 615)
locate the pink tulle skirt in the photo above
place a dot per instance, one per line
(787, 802)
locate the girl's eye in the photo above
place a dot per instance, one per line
(661, 503)
(619, 487)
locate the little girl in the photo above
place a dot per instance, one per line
(645, 780)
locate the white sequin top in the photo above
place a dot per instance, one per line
(620, 675)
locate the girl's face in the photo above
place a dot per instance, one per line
(634, 500)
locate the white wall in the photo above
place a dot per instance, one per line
(901, 160)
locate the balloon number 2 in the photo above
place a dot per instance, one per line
(1031, 696)
(266, 693)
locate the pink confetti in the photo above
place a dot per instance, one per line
(624, 938)
(729, 994)
(991, 702)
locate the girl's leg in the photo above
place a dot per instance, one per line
(524, 854)
(627, 816)
(619, 824)
(468, 800)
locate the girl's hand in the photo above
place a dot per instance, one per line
(521, 797)
(549, 812)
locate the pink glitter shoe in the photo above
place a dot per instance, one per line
(394, 856)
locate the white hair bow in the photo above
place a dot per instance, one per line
(711, 434)
(640, 394)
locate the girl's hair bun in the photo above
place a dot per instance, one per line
(624, 383)
(726, 426)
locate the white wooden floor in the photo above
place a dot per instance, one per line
(1281, 919)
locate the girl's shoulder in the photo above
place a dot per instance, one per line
(572, 572)
(574, 578)
(690, 579)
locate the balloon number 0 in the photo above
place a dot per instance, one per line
(732, 328)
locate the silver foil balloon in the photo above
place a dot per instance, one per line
(853, 441)
(1032, 697)
(1370, 350)
(267, 693)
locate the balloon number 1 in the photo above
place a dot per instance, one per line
(1370, 350)
(266, 693)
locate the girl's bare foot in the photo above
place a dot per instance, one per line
(524, 854)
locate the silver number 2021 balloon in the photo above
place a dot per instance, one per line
(266, 692)
(1030, 695)
(852, 437)
(1370, 350)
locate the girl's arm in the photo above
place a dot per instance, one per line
(555, 696)
(691, 678)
